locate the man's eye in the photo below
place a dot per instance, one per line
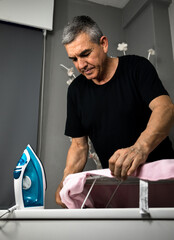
(86, 54)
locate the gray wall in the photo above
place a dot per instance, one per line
(171, 18)
(150, 28)
(135, 24)
(139, 38)
(20, 74)
(147, 26)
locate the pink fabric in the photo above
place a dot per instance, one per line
(73, 192)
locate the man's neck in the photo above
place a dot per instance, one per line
(111, 66)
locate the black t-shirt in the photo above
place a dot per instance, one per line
(114, 114)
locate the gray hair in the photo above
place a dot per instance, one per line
(81, 24)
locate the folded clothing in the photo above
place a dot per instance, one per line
(74, 192)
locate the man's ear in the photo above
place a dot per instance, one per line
(104, 43)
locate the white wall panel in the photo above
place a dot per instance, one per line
(35, 13)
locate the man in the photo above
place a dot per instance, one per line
(120, 103)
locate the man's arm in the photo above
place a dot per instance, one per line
(76, 160)
(125, 161)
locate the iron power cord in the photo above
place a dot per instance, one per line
(10, 210)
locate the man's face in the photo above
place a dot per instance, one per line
(88, 57)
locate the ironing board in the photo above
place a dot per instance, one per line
(78, 189)
(143, 188)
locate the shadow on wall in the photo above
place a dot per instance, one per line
(20, 68)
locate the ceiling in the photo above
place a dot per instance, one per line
(113, 3)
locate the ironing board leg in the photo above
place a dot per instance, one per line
(88, 193)
(107, 205)
(143, 197)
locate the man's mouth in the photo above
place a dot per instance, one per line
(88, 71)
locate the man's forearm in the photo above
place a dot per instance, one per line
(76, 159)
(126, 160)
(158, 127)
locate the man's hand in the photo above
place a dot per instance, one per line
(57, 196)
(125, 161)
(75, 162)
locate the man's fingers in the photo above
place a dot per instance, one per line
(116, 164)
(125, 168)
(57, 196)
(59, 202)
(112, 162)
(135, 165)
(125, 161)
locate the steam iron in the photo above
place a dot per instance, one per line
(29, 181)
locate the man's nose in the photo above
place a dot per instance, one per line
(81, 63)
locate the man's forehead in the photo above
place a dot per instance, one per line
(80, 45)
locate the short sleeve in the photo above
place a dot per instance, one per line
(73, 127)
(148, 82)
